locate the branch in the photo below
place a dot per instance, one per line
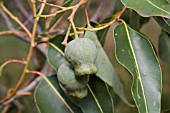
(16, 19)
(11, 27)
(13, 32)
(47, 70)
(26, 14)
(105, 25)
(52, 5)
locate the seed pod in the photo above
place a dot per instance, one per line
(82, 53)
(80, 94)
(68, 80)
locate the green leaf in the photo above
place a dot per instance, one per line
(48, 101)
(136, 54)
(102, 33)
(148, 8)
(55, 56)
(56, 17)
(105, 70)
(135, 20)
(98, 100)
(164, 23)
(164, 47)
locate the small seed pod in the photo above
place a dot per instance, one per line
(82, 53)
(68, 80)
(80, 94)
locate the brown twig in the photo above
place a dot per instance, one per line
(16, 19)
(13, 61)
(26, 14)
(71, 18)
(28, 56)
(86, 13)
(52, 5)
(19, 36)
(57, 12)
(11, 27)
(105, 25)
(13, 32)
(47, 70)
(6, 108)
(67, 34)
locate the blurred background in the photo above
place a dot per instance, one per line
(13, 48)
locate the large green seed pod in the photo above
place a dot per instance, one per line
(82, 53)
(68, 80)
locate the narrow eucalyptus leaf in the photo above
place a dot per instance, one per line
(136, 54)
(105, 70)
(164, 47)
(102, 33)
(164, 23)
(48, 101)
(98, 99)
(148, 8)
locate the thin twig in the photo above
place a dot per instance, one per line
(67, 34)
(57, 12)
(13, 61)
(47, 70)
(105, 25)
(28, 56)
(19, 36)
(13, 32)
(15, 19)
(52, 5)
(71, 17)
(6, 108)
(11, 27)
(26, 14)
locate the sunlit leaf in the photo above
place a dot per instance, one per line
(149, 7)
(136, 54)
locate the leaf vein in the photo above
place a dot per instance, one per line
(158, 7)
(136, 64)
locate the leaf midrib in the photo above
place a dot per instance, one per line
(136, 64)
(154, 5)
